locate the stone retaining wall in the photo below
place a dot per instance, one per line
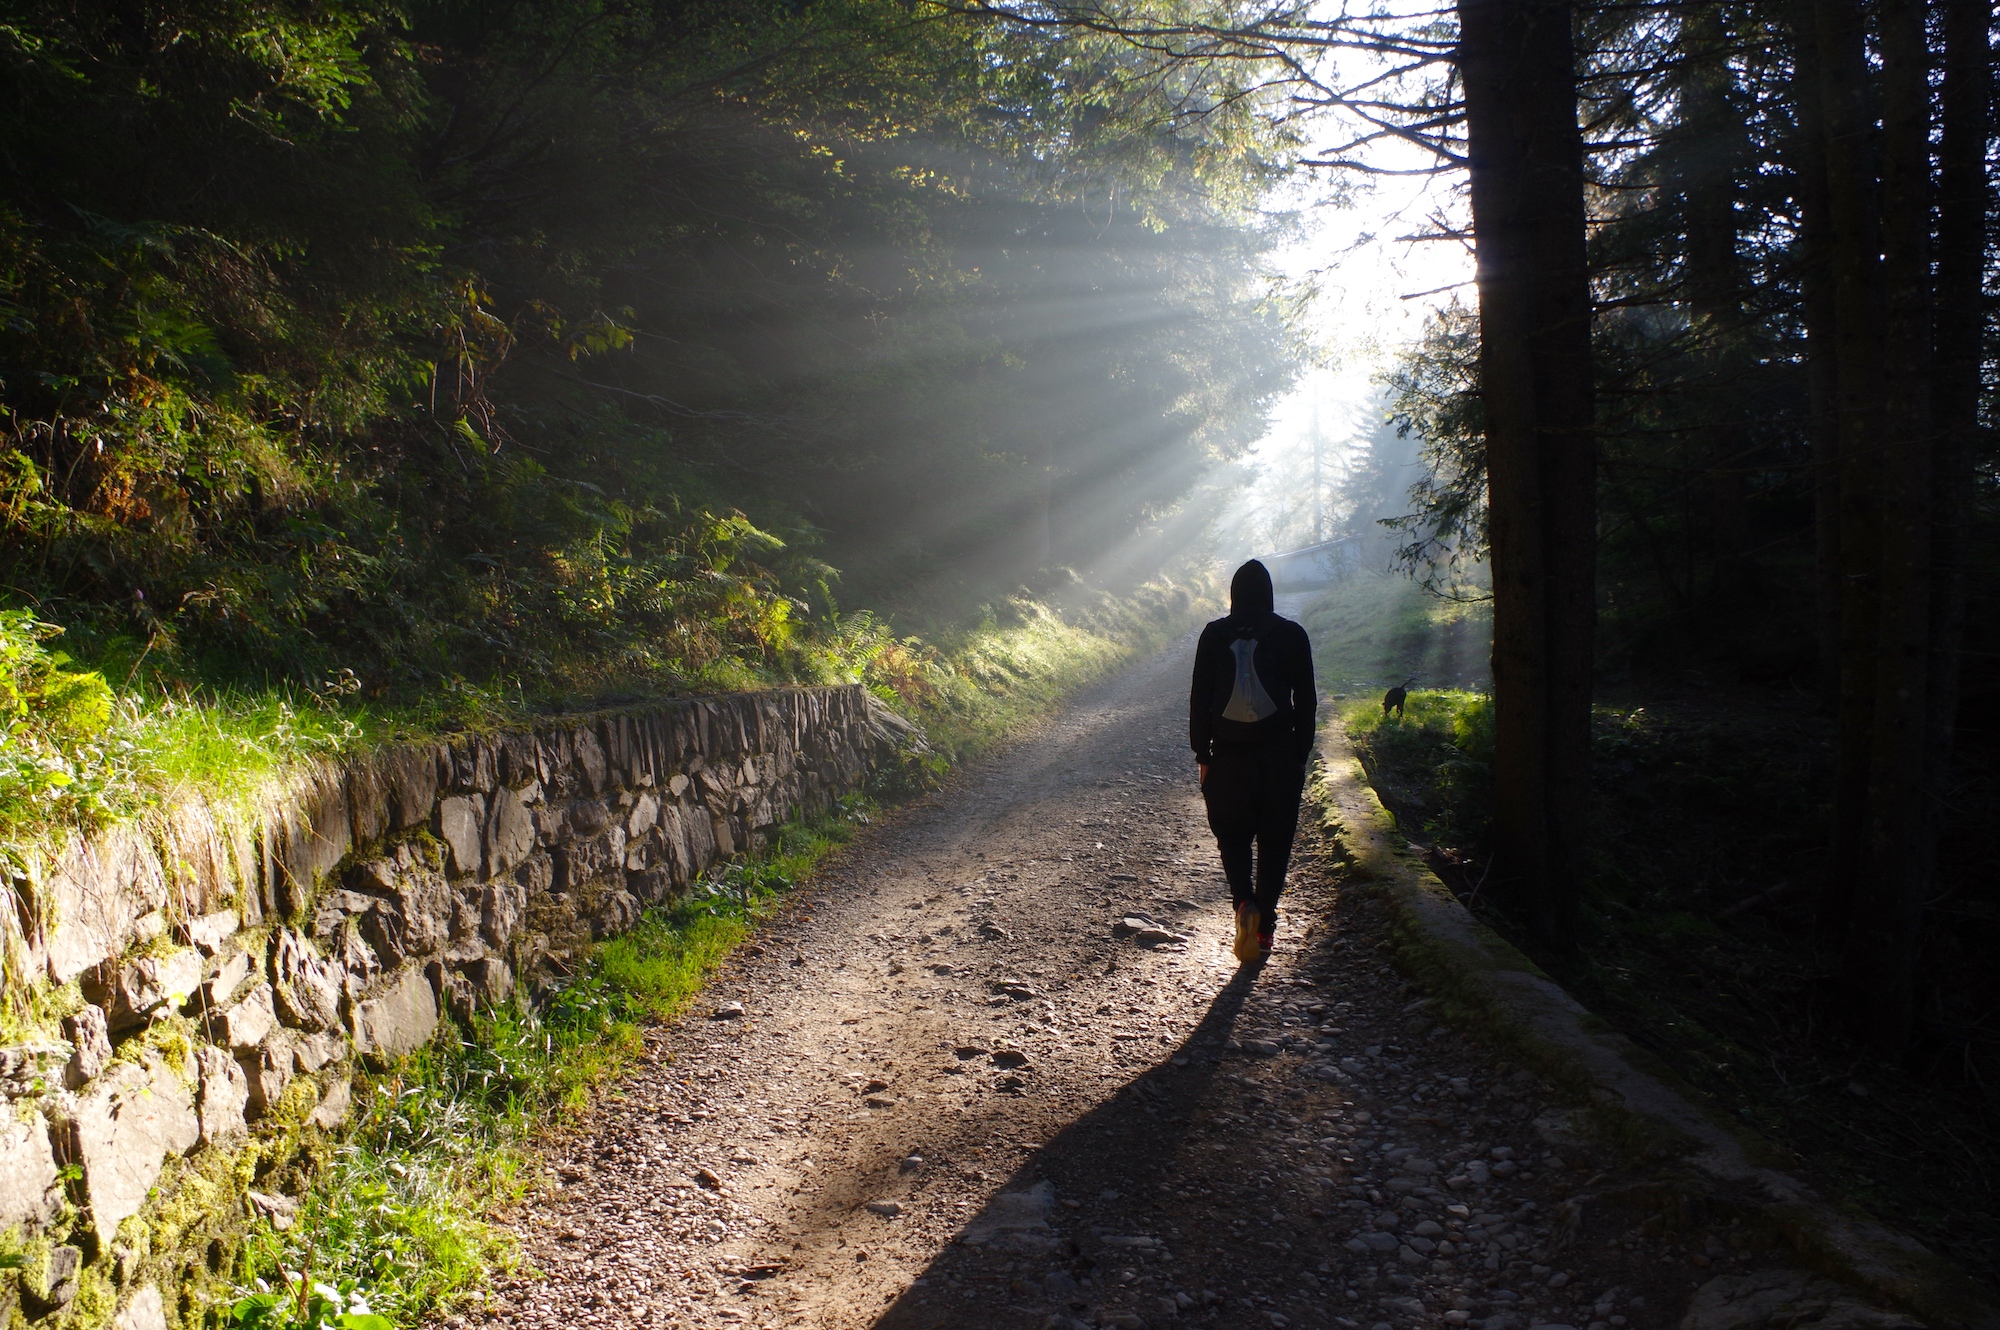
(223, 970)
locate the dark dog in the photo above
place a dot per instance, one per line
(1393, 700)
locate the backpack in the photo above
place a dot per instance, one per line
(1249, 701)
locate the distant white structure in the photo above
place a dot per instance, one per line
(1318, 565)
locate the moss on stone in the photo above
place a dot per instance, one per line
(191, 1234)
(199, 1226)
(174, 1038)
(34, 1010)
(33, 1255)
(95, 1303)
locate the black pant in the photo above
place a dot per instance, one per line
(1253, 794)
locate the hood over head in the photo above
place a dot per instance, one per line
(1250, 591)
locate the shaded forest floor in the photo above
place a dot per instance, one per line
(1712, 813)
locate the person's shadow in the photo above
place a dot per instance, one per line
(997, 1269)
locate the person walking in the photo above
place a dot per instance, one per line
(1251, 714)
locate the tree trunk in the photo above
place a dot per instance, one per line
(1526, 166)
(1807, 150)
(1853, 250)
(1713, 150)
(1964, 197)
(1878, 969)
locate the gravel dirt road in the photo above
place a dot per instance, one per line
(995, 1067)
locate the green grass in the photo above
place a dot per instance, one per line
(79, 752)
(980, 683)
(1017, 665)
(232, 745)
(1375, 630)
(1432, 765)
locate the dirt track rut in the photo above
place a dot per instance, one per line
(963, 1094)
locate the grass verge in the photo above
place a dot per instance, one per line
(988, 679)
(1374, 630)
(1711, 822)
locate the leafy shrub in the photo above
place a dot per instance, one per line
(53, 719)
(77, 753)
(304, 1305)
(1434, 761)
(324, 412)
(39, 696)
(1472, 726)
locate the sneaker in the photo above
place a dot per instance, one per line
(1247, 947)
(1266, 939)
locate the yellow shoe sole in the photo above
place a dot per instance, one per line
(1247, 947)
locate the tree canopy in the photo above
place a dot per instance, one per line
(524, 340)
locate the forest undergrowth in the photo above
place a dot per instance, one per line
(1710, 819)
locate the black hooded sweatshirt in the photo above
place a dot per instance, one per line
(1273, 699)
